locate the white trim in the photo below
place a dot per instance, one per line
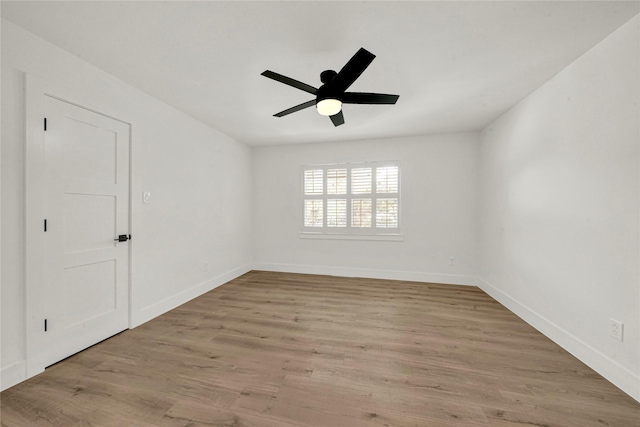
(610, 369)
(13, 374)
(167, 304)
(370, 273)
(34, 208)
(337, 236)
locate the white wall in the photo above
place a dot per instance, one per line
(559, 228)
(438, 209)
(200, 181)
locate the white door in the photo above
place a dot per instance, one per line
(86, 206)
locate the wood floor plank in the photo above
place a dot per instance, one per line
(278, 349)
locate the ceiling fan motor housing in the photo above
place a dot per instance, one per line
(327, 76)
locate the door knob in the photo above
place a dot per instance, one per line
(123, 238)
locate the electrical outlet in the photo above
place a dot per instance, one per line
(452, 261)
(146, 197)
(617, 329)
(206, 266)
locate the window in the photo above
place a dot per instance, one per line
(354, 199)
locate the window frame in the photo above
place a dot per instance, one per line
(349, 232)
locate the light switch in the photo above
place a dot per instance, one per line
(146, 197)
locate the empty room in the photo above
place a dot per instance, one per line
(320, 213)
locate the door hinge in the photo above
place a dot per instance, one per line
(45, 225)
(45, 325)
(45, 124)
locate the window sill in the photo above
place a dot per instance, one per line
(337, 236)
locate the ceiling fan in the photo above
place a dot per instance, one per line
(332, 94)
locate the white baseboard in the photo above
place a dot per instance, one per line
(161, 307)
(614, 372)
(369, 273)
(13, 374)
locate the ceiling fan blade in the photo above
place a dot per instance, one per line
(337, 119)
(352, 70)
(289, 81)
(296, 108)
(368, 98)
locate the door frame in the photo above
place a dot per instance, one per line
(36, 90)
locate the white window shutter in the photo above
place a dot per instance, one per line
(352, 198)
(313, 181)
(361, 181)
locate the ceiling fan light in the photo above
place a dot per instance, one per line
(329, 106)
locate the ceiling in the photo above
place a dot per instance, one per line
(456, 65)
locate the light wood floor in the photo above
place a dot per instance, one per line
(284, 350)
